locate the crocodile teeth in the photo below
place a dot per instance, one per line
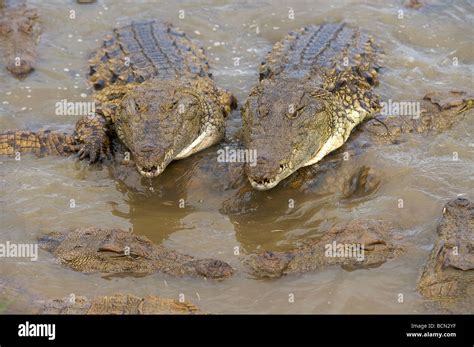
(264, 185)
(149, 172)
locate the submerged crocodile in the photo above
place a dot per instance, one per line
(448, 276)
(357, 244)
(315, 87)
(117, 251)
(118, 304)
(19, 35)
(154, 94)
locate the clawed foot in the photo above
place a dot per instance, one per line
(91, 136)
(95, 151)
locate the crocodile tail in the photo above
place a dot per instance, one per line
(41, 143)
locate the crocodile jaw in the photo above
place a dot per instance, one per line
(264, 186)
(209, 136)
(155, 171)
(340, 136)
(273, 182)
(334, 142)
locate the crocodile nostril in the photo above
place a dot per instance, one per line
(149, 169)
(146, 148)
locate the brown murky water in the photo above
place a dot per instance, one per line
(420, 49)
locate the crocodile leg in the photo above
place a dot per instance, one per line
(90, 140)
(92, 135)
(41, 143)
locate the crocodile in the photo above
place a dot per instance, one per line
(346, 172)
(17, 297)
(439, 111)
(448, 276)
(154, 94)
(20, 31)
(114, 251)
(356, 244)
(314, 88)
(348, 175)
(118, 304)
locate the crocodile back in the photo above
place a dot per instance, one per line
(145, 50)
(314, 49)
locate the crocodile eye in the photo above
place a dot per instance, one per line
(300, 110)
(263, 111)
(297, 112)
(173, 104)
(269, 255)
(132, 107)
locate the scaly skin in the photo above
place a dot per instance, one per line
(147, 119)
(118, 251)
(448, 276)
(440, 111)
(19, 36)
(176, 111)
(18, 299)
(349, 178)
(154, 93)
(373, 236)
(118, 304)
(314, 88)
(39, 143)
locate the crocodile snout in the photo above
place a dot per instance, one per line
(213, 268)
(20, 67)
(151, 159)
(263, 175)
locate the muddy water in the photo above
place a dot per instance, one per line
(420, 50)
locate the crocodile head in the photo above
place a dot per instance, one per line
(92, 249)
(269, 264)
(157, 121)
(370, 242)
(19, 31)
(287, 122)
(212, 268)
